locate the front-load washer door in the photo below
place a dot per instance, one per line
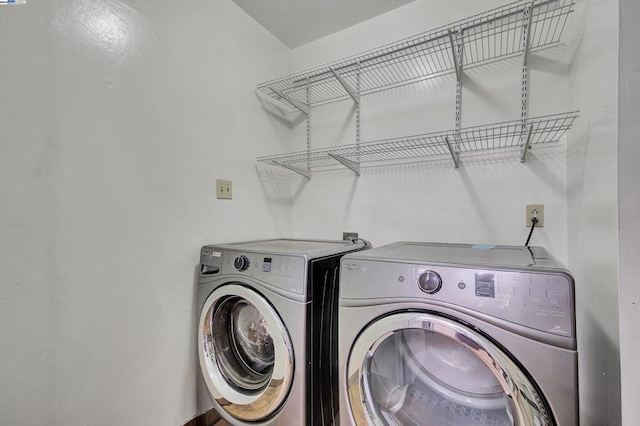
(414, 368)
(245, 351)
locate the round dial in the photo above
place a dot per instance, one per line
(241, 263)
(430, 282)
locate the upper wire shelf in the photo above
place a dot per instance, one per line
(485, 37)
(508, 134)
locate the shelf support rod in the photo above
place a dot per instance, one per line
(358, 108)
(455, 153)
(352, 165)
(352, 92)
(528, 17)
(455, 52)
(297, 104)
(457, 46)
(308, 91)
(358, 149)
(525, 147)
(299, 171)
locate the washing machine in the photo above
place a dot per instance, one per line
(267, 330)
(454, 334)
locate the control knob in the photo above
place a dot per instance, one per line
(430, 282)
(241, 263)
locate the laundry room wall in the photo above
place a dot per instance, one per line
(592, 196)
(116, 117)
(481, 202)
(629, 206)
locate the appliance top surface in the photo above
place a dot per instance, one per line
(308, 248)
(516, 257)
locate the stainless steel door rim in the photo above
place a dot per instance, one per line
(245, 352)
(525, 406)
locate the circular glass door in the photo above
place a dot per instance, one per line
(422, 369)
(245, 352)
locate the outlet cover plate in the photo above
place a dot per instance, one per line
(223, 189)
(539, 208)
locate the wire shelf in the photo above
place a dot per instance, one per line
(508, 134)
(485, 37)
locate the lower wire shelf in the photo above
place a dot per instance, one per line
(521, 133)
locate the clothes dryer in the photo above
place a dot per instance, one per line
(267, 328)
(452, 334)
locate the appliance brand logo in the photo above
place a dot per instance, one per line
(351, 266)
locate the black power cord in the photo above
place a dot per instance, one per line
(534, 220)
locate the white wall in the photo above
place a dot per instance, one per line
(26, 255)
(484, 200)
(629, 205)
(592, 204)
(116, 118)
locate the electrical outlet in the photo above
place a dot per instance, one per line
(349, 235)
(223, 189)
(537, 211)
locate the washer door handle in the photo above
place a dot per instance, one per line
(208, 270)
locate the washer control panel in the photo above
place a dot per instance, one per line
(539, 300)
(284, 272)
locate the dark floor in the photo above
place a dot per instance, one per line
(210, 418)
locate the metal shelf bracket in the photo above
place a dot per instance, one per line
(527, 19)
(295, 103)
(525, 147)
(457, 47)
(455, 152)
(352, 165)
(456, 51)
(305, 173)
(526, 32)
(308, 97)
(352, 92)
(358, 80)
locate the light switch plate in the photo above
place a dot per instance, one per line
(223, 189)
